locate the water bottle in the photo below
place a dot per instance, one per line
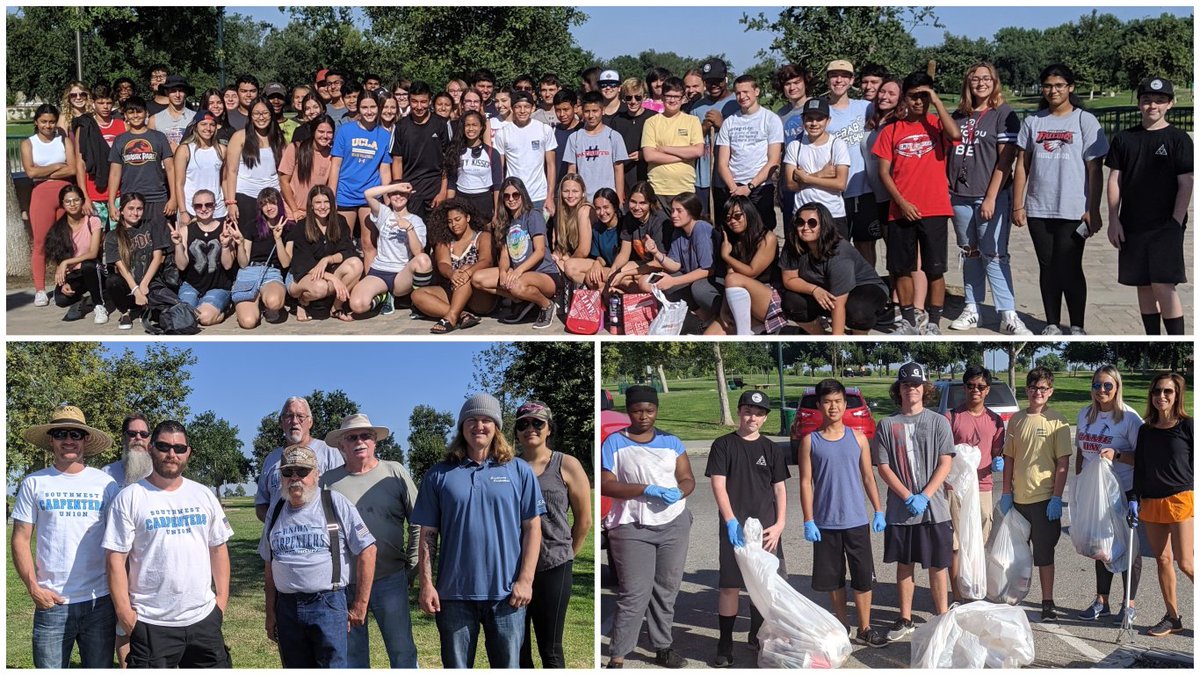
(614, 314)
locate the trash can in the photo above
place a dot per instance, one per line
(789, 416)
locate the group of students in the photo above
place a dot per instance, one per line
(337, 198)
(649, 476)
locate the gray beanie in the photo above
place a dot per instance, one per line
(481, 405)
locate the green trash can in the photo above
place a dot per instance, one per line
(789, 416)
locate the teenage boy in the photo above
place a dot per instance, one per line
(834, 464)
(176, 117)
(484, 82)
(94, 136)
(336, 107)
(247, 91)
(156, 75)
(140, 161)
(913, 449)
(566, 103)
(548, 88)
(1149, 190)
(630, 122)
(1037, 454)
(597, 152)
(748, 472)
(816, 166)
(749, 147)
(610, 89)
(848, 121)
(417, 149)
(870, 79)
(711, 109)
(527, 148)
(974, 424)
(672, 144)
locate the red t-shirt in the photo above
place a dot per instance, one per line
(985, 432)
(115, 128)
(917, 151)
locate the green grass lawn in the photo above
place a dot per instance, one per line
(690, 410)
(245, 618)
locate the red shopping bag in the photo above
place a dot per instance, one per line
(585, 316)
(639, 309)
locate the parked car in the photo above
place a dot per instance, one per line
(861, 371)
(1000, 399)
(808, 417)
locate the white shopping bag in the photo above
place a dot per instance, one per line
(964, 479)
(1010, 560)
(670, 318)
(1098, 527)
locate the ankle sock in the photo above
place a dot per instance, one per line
(935, 314)
(909, 314)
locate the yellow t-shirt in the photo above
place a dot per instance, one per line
(1035, 443)
(678, 131)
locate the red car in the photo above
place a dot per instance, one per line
(611, 421)
(808, 417)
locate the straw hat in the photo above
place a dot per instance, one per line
(355, 422)
(69, 417)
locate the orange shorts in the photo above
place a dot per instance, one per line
(1168, 510)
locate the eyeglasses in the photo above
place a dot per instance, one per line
(361, 436)
(1159, 391)
(299, 417)
(524, 424)
(672, 97)
(261, 113)
(292, 472)
(634, 97)
(1057, 86)
(165, 447)
(512, 195)
(1039, 390)
(73, 434)
(976, 387)
(979, 80)
(400, 94)
(71, 201)
(1106, 386)
(203, 205)
(137, 434)
(808, 224)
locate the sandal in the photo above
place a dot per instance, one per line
(342, 315)
(302, 314)
(442, 327)
(467, 320)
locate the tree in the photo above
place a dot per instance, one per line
(216, 457)
(628, 65)
(953, 57)
(429, 432)
(1052, 361)
(1159, 46)
(1013, 351)
(886, 353)
(937, 356)
(1020, 56)
(1091, 354)
(722, 388)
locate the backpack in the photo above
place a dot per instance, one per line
(176, 319)
(332, 525)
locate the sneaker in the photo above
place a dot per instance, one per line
(1076, 330)
(905, 328)
(76, 312)
(101, 314)
(1051, 329)
(1119, 617)
(615, 664)
(825, 323)
(518, 314)
(922, 318)
(931, 329)
(1166, 626)
(871, 638)
(669, 658)
(40, 299)
(546, 316)
(1049, 611)
(967, 320)
(1011, 324)
(388, 305)
(901, 629)
(125, 322)
(1097, 610)
(722, 661)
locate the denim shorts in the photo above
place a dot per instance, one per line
(217, 297)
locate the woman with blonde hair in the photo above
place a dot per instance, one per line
(572, 228)
(76, 102)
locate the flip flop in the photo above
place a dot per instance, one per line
(442, 327)
(342, 315)
(467, 320)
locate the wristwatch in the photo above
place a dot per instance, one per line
(750, 185)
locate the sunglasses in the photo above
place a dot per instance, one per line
(203, 205)
(976, 387)
(524, 424)
(512, 195)
(292, 472)
(62, 434)
(1159, 391)
(137, 434)
(634, 98)
(361, 436)
(77, 94)
(808, 224)
(165, 447)
(1106, 386)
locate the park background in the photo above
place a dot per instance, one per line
(229, 396)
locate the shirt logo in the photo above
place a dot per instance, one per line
(499, 479)
(915, 146)
(535, 144)
(139, 151)
(1053, 140)
(762, 461)
(1161, 151)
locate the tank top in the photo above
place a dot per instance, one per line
(251, 181)
(468, 257)
(837, 484)
(203, 173)
(47, 153)
(556, 533)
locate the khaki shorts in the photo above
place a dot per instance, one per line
(985, 510)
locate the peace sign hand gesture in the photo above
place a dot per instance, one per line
(176, 233)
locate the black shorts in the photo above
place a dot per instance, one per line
(1044, 533)
(481, 205)
(1152, 255)
(200, 645)
(388, 278)
(931, 544)
(862, 216)
(729, 575)
(839, 549)
(904, 236)
(842, 225)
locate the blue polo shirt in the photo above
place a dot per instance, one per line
(478, 510)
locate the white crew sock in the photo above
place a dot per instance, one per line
(739, 307)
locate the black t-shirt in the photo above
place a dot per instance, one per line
(630, 129)
(839, 274)
(1149, 162)
(721, 268)
(422, 147)
(153, 107)
(261, 247)
(751, 470)
(305, 253)
(561, 134)
(1163, 464)
(141, 158)
(144, 240)
(634, 230)
(204, 271)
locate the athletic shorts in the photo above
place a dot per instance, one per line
(904, 236)
(985, 512)
(863, 217)
(931, 544)
(1044, 533)
(729, 575)
(1152, 256)
(839, 549)
(388, 278)
(1168, 510)
(842, 225)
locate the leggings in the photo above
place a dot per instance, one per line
(87, 279)
(547, 612)
(44, 211)
(1060, 266)
(862, 307)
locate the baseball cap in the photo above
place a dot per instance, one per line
(816, 105)
(298, 455)
(535, 410)
(521, 95)
(1156, 85)
(911, 373)
(275, 89)
(755, 398)
(321, 74)
(840, 64)
(713, 69)
(609, 77)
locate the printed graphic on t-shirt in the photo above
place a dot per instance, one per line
(364, 149)
(852, 133)
(72, 503)
(205, 255)
(592, 153)
(915, 145)
(971, 136)
(1090, 440)
(140, 241)
(535, 144)
(1053, 140)
(520, 244)
(299, 539)
(138, 151)
(176, 521)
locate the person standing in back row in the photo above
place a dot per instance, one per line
(749, 147)
(848, 121)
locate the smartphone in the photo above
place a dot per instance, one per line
(654, 278)
(1084, 231)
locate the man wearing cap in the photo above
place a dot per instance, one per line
(295, 421)
(418, 146)
(384, 494)
(712, 109)
(1149, 190)
(610, 88)
(66, 504)
(309, 542)
(749, 147)
(173, 119)
(276, 97)
(526, 147)
(171, 532)
(848, 121)
(912, 450)
(485, 506)
(816, 165)
(748, 472)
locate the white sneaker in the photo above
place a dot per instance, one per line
(1052, 329)
(101, 314)
(40, 299)
(1011, 324)
(967, 320)
(1076, 330)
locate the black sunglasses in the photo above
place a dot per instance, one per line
(137, 434)
(292, 472)
(524, 424)
(1106, 386)
(73, 434)
(634, 98)
(1159, 391)
(165, 447)
(976, 387)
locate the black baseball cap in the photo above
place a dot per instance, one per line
(911, 373)
(816, 105)
(755, 398)
(714, 69)
(1156, 85)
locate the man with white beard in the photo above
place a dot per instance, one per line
(135, 463)
(296, 421)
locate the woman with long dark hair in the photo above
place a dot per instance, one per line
(473, 170)
(48, 158)
(136, 250)
(311, 108)
(257, 150)
(325, 263)
(73, 247)
(684, 271)
(746, 262)
(264, 251)
(1057, 189)
(462, 246)
(306, 163)
(644, 222)
(360, 162)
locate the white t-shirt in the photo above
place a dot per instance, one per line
(393, 254)
(1105, 433)
(524, 149)
(68, 511)
(748, 138)
(167, 536)
(811, 159)
(298, 545)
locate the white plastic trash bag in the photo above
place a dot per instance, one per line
(964, 479)
(670, 318)
(796, 632)
(1098, 527)
(1010, 560)
(974, 635)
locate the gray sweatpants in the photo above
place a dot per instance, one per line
(637, 550)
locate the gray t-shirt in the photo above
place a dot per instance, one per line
(911, 446)
(269, 480)
(173, 127)
(384, 497)
(974, 159)
(694, 251)
(839, 274)
(297, 545)
(1060, 146)
(141, 158)
(594, 157)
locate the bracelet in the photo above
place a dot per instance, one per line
(1019, 208)
(230, 202)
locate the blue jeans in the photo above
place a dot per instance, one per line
(91, 623)
(389, 606)
(990, 239)
(312, 629)
(503, 631)
(217, 297)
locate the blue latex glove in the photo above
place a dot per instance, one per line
(734, 529)
(1132, 516)
(878, 524)
(917, 504)
(1006, 503)
(665, 495)
(811, 533)
(1054, 508)
(672, 495)
(998, 464)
